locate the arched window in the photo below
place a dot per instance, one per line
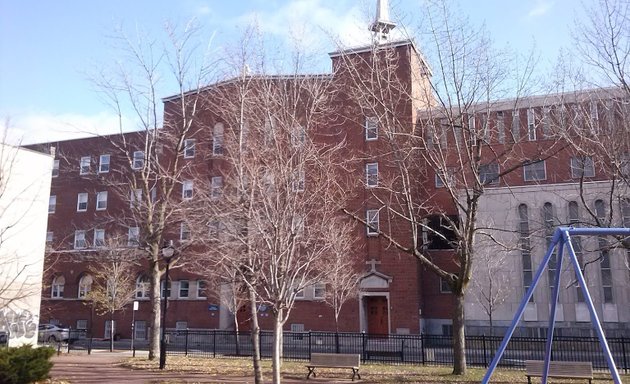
(526, 254)
(600, 210)
(85, 285)
(57, 287)
(217, 139)
(576, 241)
(604, 255)
(549, 228)
(143, 286)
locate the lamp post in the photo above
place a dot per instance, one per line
(167, 254)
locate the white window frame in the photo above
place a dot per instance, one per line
(515, 129)
(137, 161)
(189, 148)
(531, 125)
(101, 201)
(483, 173)
(52, 203)
(299, 295)
(85, 286)
(55, 168)
(217, 139)
(82, 202)
(79, 239)
(201, 287)
(319, 291)
(184, 232)
(187, 189)
(582, 166)
(84, 165)
(143, 287)
(185, 290)
(500, 126)
(371, 175)
(133, 236)
(216, 186)
(57, 287)
(166, 288)
(371, 128)
(444, 287)
(299, 180)
(103, 163)
(530, 168)
(372, 219)
(135, 198)
(50, 236)
(99, 238)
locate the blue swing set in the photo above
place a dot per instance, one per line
(562, 240)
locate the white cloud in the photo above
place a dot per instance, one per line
(44, 127)
(541, 7)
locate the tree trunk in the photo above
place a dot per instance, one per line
(154, 335)
(111, 331)
(277, 347)
(459, 337)
(236, 335)
(258, 379)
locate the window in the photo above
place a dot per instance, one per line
(85, 285)
(103, 164)
(319, 291)
(594, 114)
(189, 148)
(187, 189)
(165, 289)
(298, 180)
(84, 165)
(52, 203)
(535, 171)
(444, 286)
(215, 187)
(489, 174)
(79, 240)
(531, 125)
(82, 202)
(371, 128)
(143, 287)
(371, 217)
(181, 325)
(438, 232)
(49, 237)
(582, 166)
(444, 179)
(299, 294)
(137, 162)
(184, 286)
(99, 238)
(201, 289)
(184, 232)
(548, 220)
(298, 136)
(133, 237)
(500, 127)
(135, 198)
(217, 139)
(55, 168)
(371, 174)
(526, 255)
(101, 201)
(57, 287)
(546, 123)
(516, 126)
(576, 241)
(604, 254)
(82, 325)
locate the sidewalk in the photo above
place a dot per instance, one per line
(103, 368)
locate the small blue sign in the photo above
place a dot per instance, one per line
(213, 307)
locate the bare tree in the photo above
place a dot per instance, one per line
(156, 186)
(112, 286)
(437, 124)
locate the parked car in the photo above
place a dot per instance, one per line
(4, 337)
(53, 333)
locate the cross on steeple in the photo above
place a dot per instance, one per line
(373, 263)
(382, 25)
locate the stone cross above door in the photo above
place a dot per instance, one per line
(373, 263)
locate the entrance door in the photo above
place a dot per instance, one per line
(377, 315)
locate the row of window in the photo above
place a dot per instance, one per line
(185, 290)
(104, 164)
(581, 167)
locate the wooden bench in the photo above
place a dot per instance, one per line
(560, 369)
(334, 360)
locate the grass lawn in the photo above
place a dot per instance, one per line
(370, 373)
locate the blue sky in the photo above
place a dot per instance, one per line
(49, 48)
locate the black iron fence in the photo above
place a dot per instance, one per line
(391, 349)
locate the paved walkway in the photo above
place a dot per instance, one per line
(103, 367)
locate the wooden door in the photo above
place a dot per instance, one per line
(378, 315)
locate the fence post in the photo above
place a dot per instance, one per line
(625, 359)
(363, 345)
(422, 348)
(186, 344)
(485, 353)
(402, 351)
(310, 341)
(214, 343)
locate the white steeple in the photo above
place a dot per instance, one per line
(382, 25)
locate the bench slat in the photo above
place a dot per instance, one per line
(334, 360)
(561, 369)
